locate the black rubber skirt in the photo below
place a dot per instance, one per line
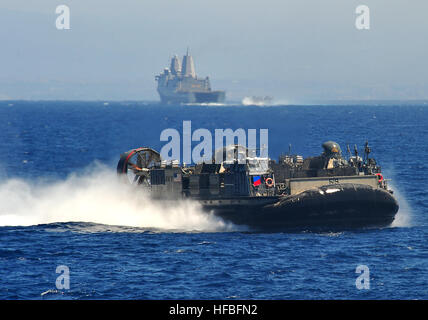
(331, 207)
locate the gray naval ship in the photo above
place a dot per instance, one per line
(179, 84)
(325, 192)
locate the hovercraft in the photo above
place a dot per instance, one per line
(325, 192)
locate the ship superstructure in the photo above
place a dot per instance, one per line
(180, 84)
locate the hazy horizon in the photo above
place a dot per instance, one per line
(295, 51)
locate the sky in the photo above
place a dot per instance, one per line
(293, 50)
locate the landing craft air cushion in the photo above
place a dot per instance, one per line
(321, 192)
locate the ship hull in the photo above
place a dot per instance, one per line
(193, 97)
(331, 207)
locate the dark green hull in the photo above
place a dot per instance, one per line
(352, 206)
(193, 97)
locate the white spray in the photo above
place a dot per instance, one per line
(98, 197)
(404, 215)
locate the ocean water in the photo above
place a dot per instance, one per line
(60, 205)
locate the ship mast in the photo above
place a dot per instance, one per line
(175, 66)
(188, 67)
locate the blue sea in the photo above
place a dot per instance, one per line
(61, 207)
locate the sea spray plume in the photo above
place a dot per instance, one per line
(266, 101)
(257, 101)
(98, 197)
(404, 214)
(403, 218)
